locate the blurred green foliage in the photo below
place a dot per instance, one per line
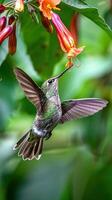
(77, 160)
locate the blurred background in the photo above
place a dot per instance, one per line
(77, 160)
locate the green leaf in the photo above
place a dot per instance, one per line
(7, 93)
(42, 47)
(89, 12)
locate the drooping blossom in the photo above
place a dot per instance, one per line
(2, 8)
(12, 41)
(46, 7)
(19, 5)
(5, 33)
(66, 39)
(2, 23)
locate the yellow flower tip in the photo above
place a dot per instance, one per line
(49, 6)
(73, 52)
(69, 64)
(56, 8)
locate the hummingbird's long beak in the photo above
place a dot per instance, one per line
(62, 73)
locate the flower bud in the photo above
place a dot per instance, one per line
(2, 23)
(19, 5)
(2, 8)
(5, 33)
(12, 42)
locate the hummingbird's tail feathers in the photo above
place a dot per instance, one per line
(21, 141)
(29, 149)
(38, 149)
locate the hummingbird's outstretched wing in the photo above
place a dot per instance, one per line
(75, 109)
(30, 88)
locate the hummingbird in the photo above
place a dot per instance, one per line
(50, 111)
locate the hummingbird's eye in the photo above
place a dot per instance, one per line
(51, 81)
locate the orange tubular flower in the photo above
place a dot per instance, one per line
(19, 5)
(46, 6)
(74, 27)
(66, 40)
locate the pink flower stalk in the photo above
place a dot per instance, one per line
(5, 33)
(2, 8)
(66, 39)
(2, 23)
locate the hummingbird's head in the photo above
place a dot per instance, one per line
(50, 87)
